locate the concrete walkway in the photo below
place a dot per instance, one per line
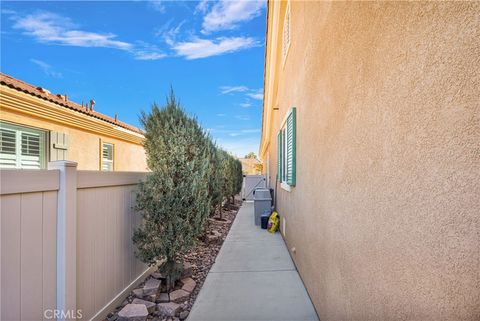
(253, 279)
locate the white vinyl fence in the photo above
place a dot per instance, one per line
(250, 183)
(66, 242)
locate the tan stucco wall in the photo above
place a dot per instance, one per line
(84, 146)
(251, 166)
(385, 217)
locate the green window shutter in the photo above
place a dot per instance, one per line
(279, 156)
(291, 147)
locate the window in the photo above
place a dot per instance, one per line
(107, 157)
(286, 35)
(21, 147)
(286, 148)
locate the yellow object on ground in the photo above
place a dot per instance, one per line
(273, 222)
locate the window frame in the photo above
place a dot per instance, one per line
(19, 129)
(102, 160)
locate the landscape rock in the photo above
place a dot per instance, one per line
(133, 312)
(168, 309)
(163, 298)
(151, 298)
(179, 296)
(158, 275)
(214, 237)
(151, 287)
(197, 262)
(138, 293)
(188, 284)
(187, 269)
(149, 305)
(183, 315)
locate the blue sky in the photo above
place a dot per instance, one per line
(126, 54)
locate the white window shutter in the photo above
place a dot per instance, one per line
(58, 146)
(32, 150)
(107, 157)
(21, 147)
(8, 143)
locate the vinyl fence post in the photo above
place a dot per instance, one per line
(66, 239)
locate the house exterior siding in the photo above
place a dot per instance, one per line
(85, 133)
(383, 223)
(251, 166)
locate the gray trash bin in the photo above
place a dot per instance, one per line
(262, 202)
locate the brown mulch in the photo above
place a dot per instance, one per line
(201, 258)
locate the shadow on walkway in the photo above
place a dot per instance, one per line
(253, 279)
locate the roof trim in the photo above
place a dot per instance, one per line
(11, 82)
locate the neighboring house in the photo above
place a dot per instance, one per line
(251, 166)
(38, 126)
(371, 138)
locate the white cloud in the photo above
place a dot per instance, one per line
(202, 6)
(170, 34)
(145, 51)
(202, 48)
(227, 14)
(232, 89)
(46, 68)
(194, 47)
(157, 5)
(48, 27)
(8, 11)
(252, 93)
(242, 117)
(145, 55)
(256, 94)
(221, 115)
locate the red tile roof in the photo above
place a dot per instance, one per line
(60, 100)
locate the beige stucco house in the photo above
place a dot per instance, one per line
(371, 138)
(251, 166)
(38, 126)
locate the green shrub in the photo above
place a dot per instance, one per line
(174, 199)
(190, 179)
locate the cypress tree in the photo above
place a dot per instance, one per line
(174, 199)
(189, 180)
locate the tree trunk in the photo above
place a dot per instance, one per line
(221, 212)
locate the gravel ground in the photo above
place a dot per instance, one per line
(201, 258)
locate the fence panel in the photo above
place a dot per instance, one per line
(250, 183)
(106, 264)
(66, 241)
(28, 208)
